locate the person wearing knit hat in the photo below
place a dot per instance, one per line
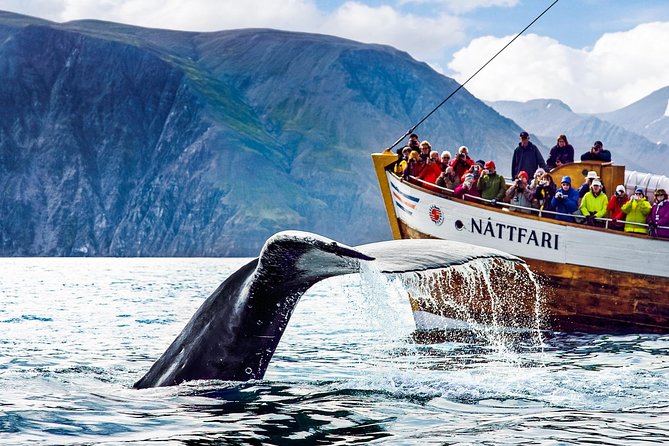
(636, 211)
(565, 200)
(658, 218)
(520, 194)
(615, 207)
(491, 184)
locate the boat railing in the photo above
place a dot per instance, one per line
(604, 222)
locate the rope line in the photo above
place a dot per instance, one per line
(412, 129)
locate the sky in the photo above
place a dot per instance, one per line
(595, 55)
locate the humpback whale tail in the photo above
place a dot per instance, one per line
(234, 333)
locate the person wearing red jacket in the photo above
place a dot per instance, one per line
(615, 208)
(432, 169)
(462, 162)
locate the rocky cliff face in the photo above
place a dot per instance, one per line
(125, 141)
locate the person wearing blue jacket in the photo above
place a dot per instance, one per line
(565, 200)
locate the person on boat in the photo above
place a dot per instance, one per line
(659, 215)
(467, 189)
(526, 157)
(636, 211)
(544, 193)
(432, 169)
(594, 204)
(565, 200)
(475, 170)
(462, 161)
(425, 149)
(520, 193)
(597, 153)
(448, 179)
(585, 187)
(445, 159)
(491, 185)
(401, 162)
(561, 153)
(537, 177)
(615, 208)
(414, 167)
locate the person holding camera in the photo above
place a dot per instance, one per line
(491, 185)
(520, 193)
(462, 162)
(544, 193)
(597, 153)
(565, 200)
(636, 211)
(659, 215)
(615, 208)
(594, 204)
(468, 189)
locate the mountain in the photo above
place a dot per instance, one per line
(125, 141)
(648, 116)
(549, 118)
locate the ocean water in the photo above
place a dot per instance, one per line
(77, 333)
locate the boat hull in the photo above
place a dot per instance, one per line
(594, 280)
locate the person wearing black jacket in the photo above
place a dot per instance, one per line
(526, 157)
(561, 153)
(597, 153)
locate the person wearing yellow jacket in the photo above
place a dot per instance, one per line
(594, 203)
(636, 210)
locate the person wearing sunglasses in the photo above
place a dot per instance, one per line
(659, 215)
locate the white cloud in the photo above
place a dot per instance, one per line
(618, 70)
(459, 6)
(426, 38)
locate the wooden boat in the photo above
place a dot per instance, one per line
(595, 279)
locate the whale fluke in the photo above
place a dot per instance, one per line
(234, 333)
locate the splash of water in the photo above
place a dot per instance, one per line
(497, 301)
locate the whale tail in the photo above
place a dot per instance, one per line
(234, 333)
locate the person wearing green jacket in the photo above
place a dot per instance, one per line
(594, 204)
(491, 184)
(636, 210)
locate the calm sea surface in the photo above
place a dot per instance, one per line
(77, 333)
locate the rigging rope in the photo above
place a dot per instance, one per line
(412, 129)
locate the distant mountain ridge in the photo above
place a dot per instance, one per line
(124, 141)
(549, 118)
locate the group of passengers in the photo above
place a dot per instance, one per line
(469, 179)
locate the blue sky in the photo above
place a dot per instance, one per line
(596, 55)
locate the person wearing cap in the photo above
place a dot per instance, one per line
(462, 162)
(636, 211)
(593, 204)
(615, 207)
(468, 189)
(561, 153)
(526, 157)
(597, 153)
(585, 187)
(491, 185)
(565, 200)
(658, 218)
(520, 193)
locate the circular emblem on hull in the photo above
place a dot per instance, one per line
(436, 215)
